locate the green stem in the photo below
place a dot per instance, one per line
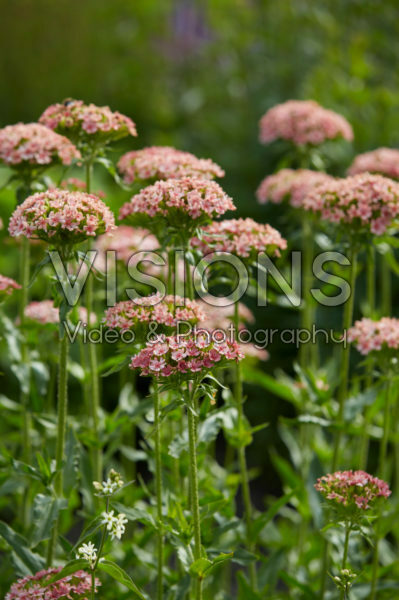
(93, 584)
(245, 489)
(370, 276)
(345, 556)
(370, 296)
(158, 489)
(307, 351)
(61, 431)
(94, 379)
(24, 279)
(345, 356)
(386, 429)
(189, 281)
(386, 287)
(192, 424)
(374, 575)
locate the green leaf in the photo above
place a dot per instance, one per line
(245, 592)
(71, 567)
(90, 530)
(120, 575)
(135, 514)
(199, 567)
(32, 561)
(271, 384)
(45, 513)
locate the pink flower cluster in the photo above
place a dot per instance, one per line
(22, 145)
(242, 237)
(184, 356)
(369, 335)
(190, 196)
(384, 161)
(352, 489)
(125, 241)
(165, 162)
(86, 120)
(73, 184)
(163, 310)
(61, 217)
(34, 587)
(303, 122)
(45, 312)
(364, 203)
(290, 185)
(7, 286)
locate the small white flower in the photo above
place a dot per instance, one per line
(88, 552)
(119, 526)
(108, 519)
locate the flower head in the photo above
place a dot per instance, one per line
(7, 286)
(27, 146)
(352, 489)
(164, 162)
(184, 356)
(114, 524)
(182, 204)
(242, 237)
(88, 552)
(45, 312)
(372, 336)
(362, 204)
(61, 217)
(35, 587)
(289, 184)
(303, 122)
(87, 122)
(109, 487)
(383, 161)
(165, 311)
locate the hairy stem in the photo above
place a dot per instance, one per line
(192, 425)
(345, 356)
(307, 352)
(61, 431)
(158, 489)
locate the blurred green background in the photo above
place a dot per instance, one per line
(199, 75)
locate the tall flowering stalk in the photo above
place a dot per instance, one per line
(292, 186)
(93, 128)
(245, 239)
(361, 207)
(382, 161)
(62, 219)
(352, 497)
(379, 342)
(28, 150)
(185, 363)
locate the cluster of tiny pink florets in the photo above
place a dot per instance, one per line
(369, 335)
(192, 196)
(242, 237)
(24, 145)
(164, 162)
(34, 587)
(364, 203)
(75, 117)
(384, 161)
(289, 184)
(7, 286)
(303, 122)
(45, 312)
(163, 310)
(352, 489)
(125, 241)
(61, 217)
(186, 356)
